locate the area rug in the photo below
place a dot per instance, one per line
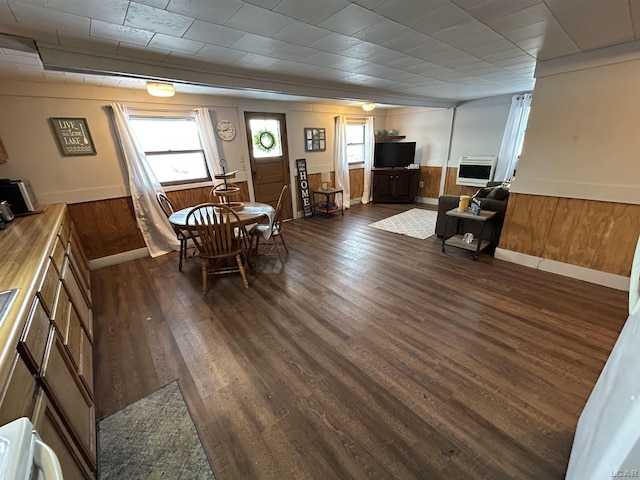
(415, 223)
(154, 438)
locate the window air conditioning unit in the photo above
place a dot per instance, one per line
(476, 171)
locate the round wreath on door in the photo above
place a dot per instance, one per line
(264, 140)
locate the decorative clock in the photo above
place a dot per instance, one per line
(226, 130)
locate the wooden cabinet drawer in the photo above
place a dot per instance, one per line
(49, 288)
(17, 398)
(77, 298)
(65, 229)
(80, 351)
(86, 363)
(53, 432)
(61, 312)
(69, 395)
(35, 336)
(57, 255)
(75, 247)
(78, 269)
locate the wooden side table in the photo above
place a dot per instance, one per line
(327, 195)
(457, 239)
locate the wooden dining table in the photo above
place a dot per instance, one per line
(253, 212)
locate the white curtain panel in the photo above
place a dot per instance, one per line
(156, 230)
(369, 146)
(340, 159)
(209, 145)
(512, 139)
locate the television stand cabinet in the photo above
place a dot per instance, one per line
(395, 185)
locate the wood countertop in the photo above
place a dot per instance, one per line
(24, 251)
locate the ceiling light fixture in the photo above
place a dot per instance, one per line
(158, 89)
(368, 107)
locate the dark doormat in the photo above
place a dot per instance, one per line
(154, 438)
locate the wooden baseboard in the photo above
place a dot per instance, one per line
(118, 258)
(565, 269)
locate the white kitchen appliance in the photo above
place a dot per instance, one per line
(23, 455)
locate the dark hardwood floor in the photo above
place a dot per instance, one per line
(369, 355)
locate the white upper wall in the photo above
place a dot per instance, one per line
(34, 153)
(430, 128)
(478, 128)
(582, 140)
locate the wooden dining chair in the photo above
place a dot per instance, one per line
(182, 235)
(214, 224)
(270, 246)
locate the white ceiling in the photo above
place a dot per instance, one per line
(406, 52)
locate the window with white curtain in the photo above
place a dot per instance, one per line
(173, 148)
(355, 142)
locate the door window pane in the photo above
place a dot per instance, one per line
(265, 138)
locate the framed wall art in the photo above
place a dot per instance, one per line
(315, 140)
(73, 136)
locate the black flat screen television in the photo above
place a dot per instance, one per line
(394, 154)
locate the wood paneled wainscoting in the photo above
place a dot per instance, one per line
(430, 178)
(587, 233)
(450, 187)
(108, 227)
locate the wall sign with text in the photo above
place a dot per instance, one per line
(303, 184)
(73, 136)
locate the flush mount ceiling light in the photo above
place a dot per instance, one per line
(368, 107)
(158, 89)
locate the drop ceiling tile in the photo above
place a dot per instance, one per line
(522, 18)
(154, 3)
(300, 33)
(369, 4)
(462, 30)
(310, 11)
(430, 47)
(335, 43)
(112, 31)
(323, 59)
(350, 20)
(404, 62)
(383, 31)
(21, 59)
(439, 19)
(491, 10)
(348, 63)
(556, 44)
(134, 51)
(220, 54)
(591, 25)
(507, 54)
(50, 20)
(402, 11)
(109, 11)
(375, 70)
(406, 41)
(481, 51)
(206, 32)
(252, 60)
(39, 34)
(486, 37)
(409, 78)
(219, 11)
(175, 44)
(268, 4)
(294, 53)
(362, 50)
(156, 20)
(256, 44)
(383, 56)
(258, 21)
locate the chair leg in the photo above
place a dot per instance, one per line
(242, 272)
(204, 277)
(283, 242)
(183, 252)
(257, 242)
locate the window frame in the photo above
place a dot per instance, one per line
(177, 184)
(359, 124)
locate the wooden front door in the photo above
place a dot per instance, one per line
(269, 156)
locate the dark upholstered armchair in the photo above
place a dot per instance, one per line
(496, 204)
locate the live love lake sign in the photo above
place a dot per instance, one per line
(73, 136)
(303, 183)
